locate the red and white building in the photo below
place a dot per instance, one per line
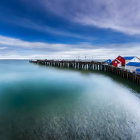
(119, 61)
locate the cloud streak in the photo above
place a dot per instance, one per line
(12, 48)
(30, 24)
(120, 15)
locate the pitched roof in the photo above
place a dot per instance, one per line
(136, 64)
(118, 60)
(108, 61)
(129, 57)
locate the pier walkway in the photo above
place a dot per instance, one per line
(92, 66)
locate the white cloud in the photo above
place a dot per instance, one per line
(16, 49)
(13, 42)
(120, 15)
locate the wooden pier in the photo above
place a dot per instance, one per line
(92, 66)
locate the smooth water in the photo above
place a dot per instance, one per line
(45, 103)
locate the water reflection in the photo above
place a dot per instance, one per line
(39, 103)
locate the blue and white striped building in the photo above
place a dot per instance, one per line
(131, 59)
(133, 66)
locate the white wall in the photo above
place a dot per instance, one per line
(127, 61)
(131, 68)
(136, 59)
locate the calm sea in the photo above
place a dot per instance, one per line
(45, 103)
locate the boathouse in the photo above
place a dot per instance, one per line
(132, 66)
(108, 62)
(131, 59)
(119, 61)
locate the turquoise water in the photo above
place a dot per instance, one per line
(45, 103)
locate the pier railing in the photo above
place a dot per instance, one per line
(92, 66)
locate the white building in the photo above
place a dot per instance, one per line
(131, 59)
(132, 66)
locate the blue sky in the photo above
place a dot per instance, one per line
(68, 29)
